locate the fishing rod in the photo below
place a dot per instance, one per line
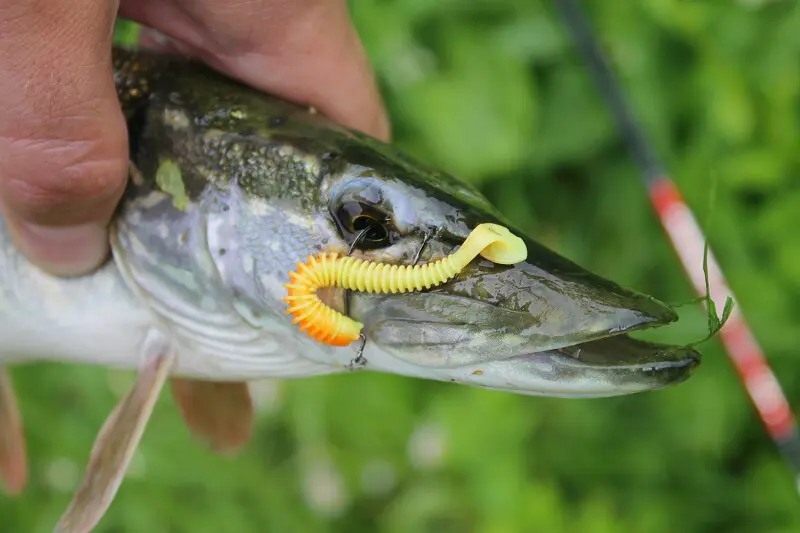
(689, 242)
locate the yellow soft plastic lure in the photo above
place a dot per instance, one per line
(326, 325)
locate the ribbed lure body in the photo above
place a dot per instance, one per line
(326, 325)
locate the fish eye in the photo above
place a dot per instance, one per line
(366, 224)
(374, 231)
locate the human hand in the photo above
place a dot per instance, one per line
(63, 140)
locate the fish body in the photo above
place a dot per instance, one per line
(93, 319)
(230, 190)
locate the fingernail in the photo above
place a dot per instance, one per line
(155, 40)
(384, 128)
(62, 251)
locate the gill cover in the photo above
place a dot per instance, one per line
(326, 325)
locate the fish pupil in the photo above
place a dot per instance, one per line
(365, 225)
(375, 232)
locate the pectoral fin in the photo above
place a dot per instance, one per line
(219, 413)
(13, 457)
(116, 444)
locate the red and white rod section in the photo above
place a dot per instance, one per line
(689, 241)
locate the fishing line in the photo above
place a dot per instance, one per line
(425, 238)
(690, 244)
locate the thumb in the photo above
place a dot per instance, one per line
(63, 141)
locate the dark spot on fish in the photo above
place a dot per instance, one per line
(175, 98)
(277, 122)
(222, 251)
(183, 238)
(226, 207)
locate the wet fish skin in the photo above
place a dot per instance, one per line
(231, 187)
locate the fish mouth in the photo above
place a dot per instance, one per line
(614, 366)
(541, 327)
(608, 367)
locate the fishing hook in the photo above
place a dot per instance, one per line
(425, 238)
(359, 361)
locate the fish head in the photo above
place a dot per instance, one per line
(542, 326)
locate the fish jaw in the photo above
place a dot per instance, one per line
(499, 351)
(616, 366)
(543, 326)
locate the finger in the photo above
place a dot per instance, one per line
(307, 51)
(156, 41)
(63, 142)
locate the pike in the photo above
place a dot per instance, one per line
(229, 190)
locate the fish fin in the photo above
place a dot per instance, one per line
(117, 442)
(13, 456)
(219, 413)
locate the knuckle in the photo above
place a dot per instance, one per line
(55, 178)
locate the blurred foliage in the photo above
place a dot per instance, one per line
(494, 92)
